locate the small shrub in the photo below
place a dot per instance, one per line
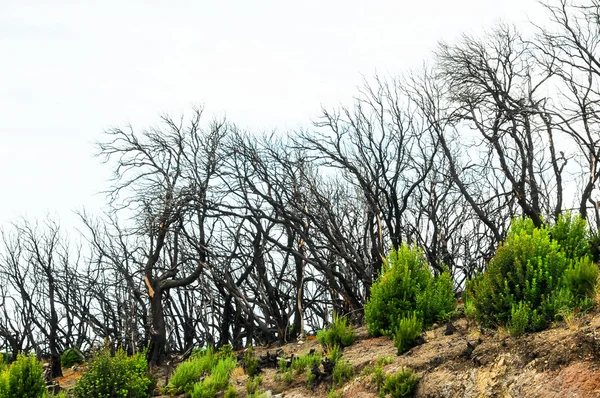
(339, 333)
(310, 378)
(288, 377)
(406, 285)
(409, 328)
(382, 361)
(216, 381)
(570, 231)
(71, 357)
(342, 373)
(115, 377)
(253, 383)
(580, 278)
(191, 371)
(225, 351)
(401, 384)
(301, 363)
(536, 274)
(23, 379)
(436, 302)
(250, 363)
(231, 392)
(334, 394)
(283, 365)
(335, 353)
(519, 319)
(378, 379)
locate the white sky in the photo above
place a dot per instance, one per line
(71, 69)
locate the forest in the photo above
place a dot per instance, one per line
(216, 235)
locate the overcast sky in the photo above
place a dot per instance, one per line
(69, 70)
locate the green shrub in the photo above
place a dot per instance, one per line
(253, 383)
(225, 351)
(288, 377)
(382, 361)
(231, 392)
(437, 301)
(405, 285)
(250, 363)
(306, 361)
(535, 274)
(334, 394)
(342, 373)
(335, 353)
(115, 377)
(283, 365)
(310, 378)
(70, 357)
(580, 278)
(23, 379)
(191, 371)
(401, 384)
(339, 333)
(409, 328)
(570, 231)
(519, 319)
(378, 379)
(217, 381)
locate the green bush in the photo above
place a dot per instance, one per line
(401, 384)
(409, 328)
(253, 383)
(23, 379)
(306, 361)
(335, 353)
(406, 285)
(70, 357)
(339, 333)
(378, 379)
(250, 363)
(535, 274)
(115, 377)
(231, 392)
(310, 378)
(581, 278)
(572, 235)
(217, 381)
(191, 371)
(342, 372)
(519, 319)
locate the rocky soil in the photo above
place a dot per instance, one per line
(471, 362)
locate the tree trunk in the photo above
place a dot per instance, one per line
(158, 332)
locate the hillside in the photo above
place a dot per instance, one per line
(559, 362)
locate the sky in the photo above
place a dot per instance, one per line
(70, 70)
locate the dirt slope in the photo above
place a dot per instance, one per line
(560, 362)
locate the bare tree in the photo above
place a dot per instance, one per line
(162, 179)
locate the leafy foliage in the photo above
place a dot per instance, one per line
(535, 274)
(409, 328)
(23, 379)
(217, 381)
(306, 361)
(406, 285)
(115, 377)
(401, 384)
(70, 357)
(191, 371)
(250, 363)
(342, 372)
(339, 333)
(253, 383)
